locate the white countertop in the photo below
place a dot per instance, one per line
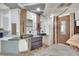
(8, 37)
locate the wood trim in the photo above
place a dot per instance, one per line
(72, 18)
(54, 30)
(70, 26)
(56, 27)
(38, 23)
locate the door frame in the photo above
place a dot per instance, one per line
(60, 36)
(55, 39)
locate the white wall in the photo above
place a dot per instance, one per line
(3, 8)
(15, 18)
(32, 16)
(47, 22)
(77, 18)
(5, 20)
(0, 19)
(4, 16)
(44, 25)
(51, 29)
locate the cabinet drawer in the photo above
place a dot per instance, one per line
(36, 39)
(36, 46)
(36, 43)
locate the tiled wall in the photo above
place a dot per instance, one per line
(47, 27)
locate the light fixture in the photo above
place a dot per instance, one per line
(51, 16)
(38, 9)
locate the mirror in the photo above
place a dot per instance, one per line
(77, 22)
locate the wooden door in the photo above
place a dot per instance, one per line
(63, 29)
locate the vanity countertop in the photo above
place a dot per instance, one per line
(8, 37)
(16, 38)
(1, 30)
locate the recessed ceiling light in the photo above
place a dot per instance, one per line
(51, 15)
(38, 9)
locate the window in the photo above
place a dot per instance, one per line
(63, 27)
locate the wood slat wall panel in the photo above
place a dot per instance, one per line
(23, 21)
(72, 18)
(38, 23)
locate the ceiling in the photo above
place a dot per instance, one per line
(46, 9)
(12, 5)
(3, 7)
(34, 7)
(60, 8)
(30, 6)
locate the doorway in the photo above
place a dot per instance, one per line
(63, 29)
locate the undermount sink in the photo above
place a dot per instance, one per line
(42, 34)
(26, 36)
(1, 34)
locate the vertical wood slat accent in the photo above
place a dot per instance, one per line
(56, 28)
(38, 23)
(72, 18)
(23, 21)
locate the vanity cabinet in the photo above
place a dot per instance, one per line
(35, 42)
(14, 46)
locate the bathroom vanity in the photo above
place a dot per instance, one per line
(35, 42)
(13, 46)
(16, 45)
